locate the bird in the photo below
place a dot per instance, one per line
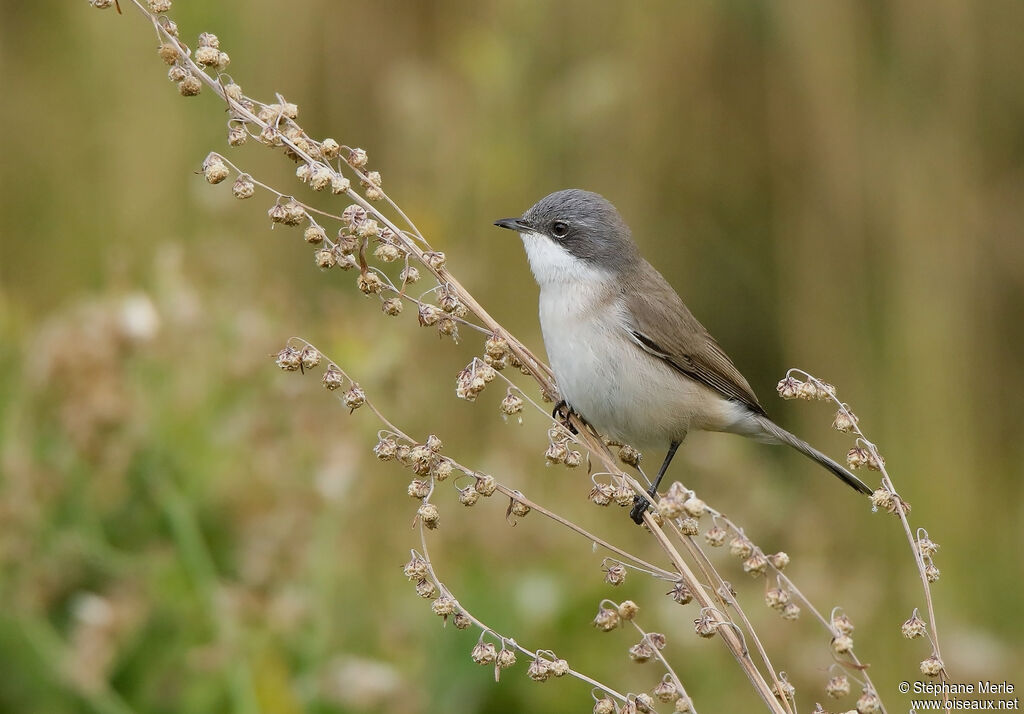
(628, 356)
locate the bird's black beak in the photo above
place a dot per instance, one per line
(513, 224)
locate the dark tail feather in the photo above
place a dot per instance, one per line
(810, 452)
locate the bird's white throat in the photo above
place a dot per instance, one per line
(551, 263)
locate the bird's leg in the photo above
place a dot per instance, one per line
(640, 503)
(561, 412)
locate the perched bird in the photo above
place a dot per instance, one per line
(627, 354)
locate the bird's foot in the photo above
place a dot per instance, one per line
(562, 412)
(640, 506)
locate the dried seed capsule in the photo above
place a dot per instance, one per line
(604, 705)
(441, 469)
(485, 484)
(190, 86)
(705, 626)
(409, 274)
(666, 691)
(429, 514)
(244, 187)
(838, 687)
(387, 253)
(325, 258)
(518, 508)
(206, 56)
(333, 378)
(715, 536)
(868, 703)
(842, 644)
(845, 421)
(353, 215)
(783, 689)
(289, 359)
(426, 589)
(641, 652)
(556, 453)
(689, 527)
(310, 357)
(681, 593)
(416, 568)
(214, 169)
(237, 135)
(168, 52)
(789, 388)
(779, 560)
(320, 177)
(208, 39)
(601, 494)
(695, 507)
(539, 670)
(462, 621)
(931, 573)
(559, 667)
(932, 667)
(683, 705)
(670, 507)
(606, 619)
(429, 314)
(418, 489)
(233, 91)
(314, 234)
(857, 457)
(511, 405)
(468, 496)
(755, 565)
(435, 259)
(628, 609)
(776, 598)
(505, 659)
(927, 546)
(392, 306)
(573, 459)
(443, 606)
(177, 73)
(484, 653)
(741, 547)
(807, 390)
(628, 455)
(644, 703)
(385, 449)
(883, 498)
(330, 148)
(370, 283)
(355, 397)
(791, 611)
(842, 624)
(914, 627)
(357, 158)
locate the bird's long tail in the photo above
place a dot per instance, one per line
(777, 432)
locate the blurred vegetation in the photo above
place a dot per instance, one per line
(836, 186)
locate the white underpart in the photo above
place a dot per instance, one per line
(625, 392)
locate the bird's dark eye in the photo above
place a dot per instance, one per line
(559, 229)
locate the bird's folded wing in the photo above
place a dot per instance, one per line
(663, 326)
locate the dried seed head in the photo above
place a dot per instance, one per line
(244, 187)
(741, 547)
(539, 670)
(310, 357)
(791, 611)
(807, 390)
(628, 609)
(101, 4)
(177, 73)
(325, 258)
(234, 91)
(429, 514)
(370, 283)
(355, 397)
(511, 405)
(845, 421)
(468, 496)
(441, 469)
(779, 560)
(838, 687)
(190, 86)
(715, 536)
(670, 506)
(357, 158)
(689, 527)
(330, 148)
(385, 449)
(789, 388)
(237, 135)
(666, 691)
(601, 494)
(339, 184)
(434, 443)
(776, 598)
(353, 215)
(628, 455)
(484, 653)
(372, 178)
(435, 259)
(421, 459)
(333, 378)
(868, 703)
(656, 640)
(314, 234)
(208, 39)
(387, 253)
(932, 667)
(755, 565)
(914, 627)
(644, 703)
(624, 495)
(517, 507)
(573, 459)
(485, 484)
(418, 489)
(606, 619)
(857, 457)
(168, 52)
(409, 274)
(931, 573)
(206, 56)
(416, 568)
(705, 626)
(159, 6)
(883, 498)
(842, 624)
(443, 606)
(368, 228)
(556, 453)
(505, 659)
(927, 546)
(429, 314)
(695, 507)
(373, 193)
(559, 667)
(683, 705)
(289, 359)
(426, 589)
(680, 592)
(392, 306)
(641, 652)
(783, 690)
(842, 644)
(604, 705)
(214, 169)
(462, 621)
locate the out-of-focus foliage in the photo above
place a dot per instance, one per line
(184, 528)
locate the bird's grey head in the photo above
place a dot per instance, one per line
(573, 230)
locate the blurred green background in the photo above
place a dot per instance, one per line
(836, 186)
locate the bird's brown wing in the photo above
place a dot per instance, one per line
(663, 326)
